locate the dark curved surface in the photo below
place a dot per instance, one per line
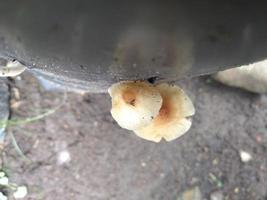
(95, 43)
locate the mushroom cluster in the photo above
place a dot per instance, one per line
(152, 112)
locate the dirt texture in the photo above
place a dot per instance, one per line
(80, 153)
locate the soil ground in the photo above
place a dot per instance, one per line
(109, 163)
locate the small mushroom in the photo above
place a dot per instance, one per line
(251, 77)
(134, 103)
(172, 121)
(12, 68)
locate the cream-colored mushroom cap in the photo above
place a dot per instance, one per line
(134, 103)
(172, 121)
(12, 68)
(251, 77)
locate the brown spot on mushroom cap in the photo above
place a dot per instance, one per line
(172, 120)
(166, 111)
(129, 96)
(134, 103)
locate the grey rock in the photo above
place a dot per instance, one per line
(217, 195)
(191, 194)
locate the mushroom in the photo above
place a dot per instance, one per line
(173, 118)
(251, 77)
(134, 103)
(12, 68)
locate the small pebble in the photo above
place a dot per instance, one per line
(21, 192)
(63, 157)
(258, 138)
(2, 196)
(236, 190)
(4, 181)
(191, 194)
(95, 123)
(215, 162)
(245, 156)
(217, 195)
(143, 164)
(2, 174)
